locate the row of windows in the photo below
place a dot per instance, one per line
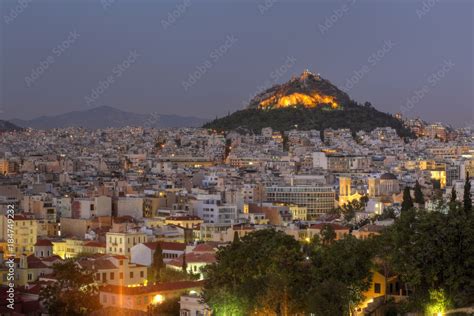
(112, 276)
(128, 240)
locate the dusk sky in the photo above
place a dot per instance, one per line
(208, 60)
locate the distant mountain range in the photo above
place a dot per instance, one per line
(306, 102)
(106, 116)
(6, 126)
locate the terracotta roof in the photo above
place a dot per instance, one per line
(99, 264)
(194, 258)
(94, 243)
(372, 228)
(160, 287)
(204, 248)
(166, 245)
(43, 242)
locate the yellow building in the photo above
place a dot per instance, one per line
(345, 192)
(71, 248)
(115, 270)
(25, 233)
(121, 243)
(439, 175)
(186, 221)
(299, 213)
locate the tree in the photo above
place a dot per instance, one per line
(341, 272)
(328, 235)
(236, 237)
(407, 202)
(184, 266)
(158, 263)
(427, 261)
(263, 273)
(453, 195)
(74, 293)
(467, 200)
(419, 198)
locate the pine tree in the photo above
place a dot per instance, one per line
(407, 200)
(419, 198)
(467, 195)
(453, 195)
(236, 237)
(158, 263)
(184, 267)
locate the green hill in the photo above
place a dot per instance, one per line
(353, 116)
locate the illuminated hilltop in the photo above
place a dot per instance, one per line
(308, 90)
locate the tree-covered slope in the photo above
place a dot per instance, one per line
(353, 116)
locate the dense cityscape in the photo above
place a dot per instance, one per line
(236, 158)
(154, 220)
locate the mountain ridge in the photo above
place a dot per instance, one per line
(6, 126)
(107, 116)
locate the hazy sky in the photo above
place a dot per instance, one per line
(206, 58)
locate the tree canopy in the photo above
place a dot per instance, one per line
(74, 293)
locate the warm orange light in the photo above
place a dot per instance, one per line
(309, 101)
(158, 299)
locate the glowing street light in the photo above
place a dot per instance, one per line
(158, 299)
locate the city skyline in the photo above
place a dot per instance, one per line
(401, 57)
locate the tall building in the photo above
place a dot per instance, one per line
(317, 199)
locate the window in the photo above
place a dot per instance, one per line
(142, 274)
(377, 287)
(131, 274)
(121, 275)
(30, 276)
(112, 275)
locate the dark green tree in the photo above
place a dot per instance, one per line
(158, 263)
(419, 198)
(262, 273)
(328, 235)
(74, 293)
(467, 200)
(342, 268)
(427, 261)
(236, 237)
(453, 195)
(407, 202)
(184, 265)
